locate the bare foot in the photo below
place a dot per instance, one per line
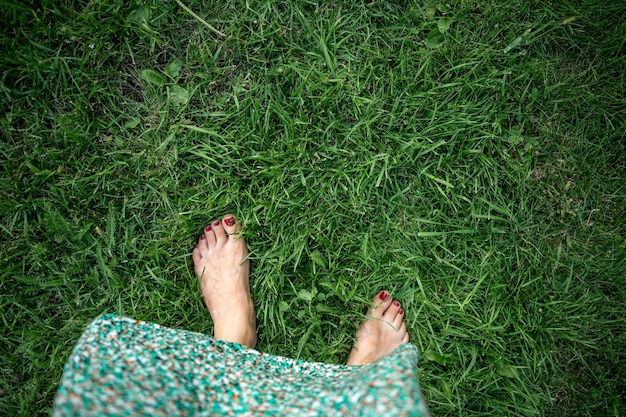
(219, 260)
(381, 333)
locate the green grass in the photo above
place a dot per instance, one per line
(364, 146)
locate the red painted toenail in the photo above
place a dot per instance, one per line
(208, 228)
(229, 221)
(383, 295)
(397, 304)
(401, 311)
(202, 237)
(216, 223)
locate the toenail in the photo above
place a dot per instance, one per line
(208, 228)
(202, 237)
(216, 223)
(401, 311)
(383, 295)
(229, 221)
(397, 304)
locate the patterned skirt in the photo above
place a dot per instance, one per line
(125, 367)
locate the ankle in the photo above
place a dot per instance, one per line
(243, 336)
(237, 326)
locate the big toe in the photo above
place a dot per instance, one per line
(231, 226)
(380, 304)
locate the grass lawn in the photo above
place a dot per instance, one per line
(470, 157)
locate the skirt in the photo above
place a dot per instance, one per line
(125, 367)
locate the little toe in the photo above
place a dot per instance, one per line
(196, 255)
(380, 303)
(218, 230)
(402, 329)
(405, 339)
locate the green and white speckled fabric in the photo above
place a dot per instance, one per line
(125, 367)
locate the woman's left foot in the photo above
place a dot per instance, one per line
(219, 259)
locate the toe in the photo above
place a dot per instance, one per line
(391, 312)
(231, 226)
(195, 255)
(402, 329)
(209, 234)
(399, 320)
(405, 339)
(381, 302)
(220, 234)
(202, 244)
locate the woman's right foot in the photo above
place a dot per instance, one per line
(381, 333)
